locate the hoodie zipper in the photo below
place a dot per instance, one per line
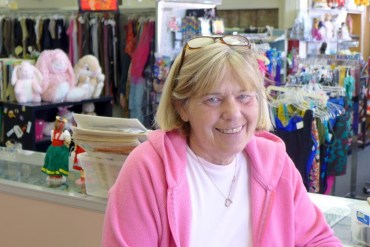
(265, 216)
(171, 217)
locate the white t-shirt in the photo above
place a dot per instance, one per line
(214, 224)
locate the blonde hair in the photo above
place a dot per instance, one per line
(200, 72)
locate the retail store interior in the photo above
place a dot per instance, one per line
(316, 49)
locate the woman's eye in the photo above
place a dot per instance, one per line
(213, 100)
(245, 98)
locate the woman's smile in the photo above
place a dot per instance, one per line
(231, 130)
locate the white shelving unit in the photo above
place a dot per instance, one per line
(309, 46)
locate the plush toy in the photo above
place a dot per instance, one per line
(58, 74)
(27, 82)
(88, 109)
(90, 79)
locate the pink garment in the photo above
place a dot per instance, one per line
(69, 32)
(149, 205)
(141, 53)
(330, 183)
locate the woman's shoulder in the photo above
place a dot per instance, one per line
(269, 141)
(160, 145)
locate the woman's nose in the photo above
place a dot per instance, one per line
(231, 108)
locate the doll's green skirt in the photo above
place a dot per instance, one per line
(56, 161)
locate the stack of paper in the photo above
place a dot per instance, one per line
(107, 134)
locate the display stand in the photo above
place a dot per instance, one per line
(309, 42)
(18, 120)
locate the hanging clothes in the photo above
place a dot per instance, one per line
(30, 43)
(17, 37)
(297, 137)
(314, 165)
(139, 58)
(46, 36)
(72, 40)
(342, 135)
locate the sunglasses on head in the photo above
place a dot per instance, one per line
(203, 41)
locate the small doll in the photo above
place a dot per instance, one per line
(329, 26)
(77, 150)
(56, 162)
(315, 31)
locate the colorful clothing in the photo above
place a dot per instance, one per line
(78, 150)
(314, 171)
(57, 155)
(297, 137)
(342, 135)
(149, 205)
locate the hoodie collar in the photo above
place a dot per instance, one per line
(264, 156)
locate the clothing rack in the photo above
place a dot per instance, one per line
(346, 60)
(108, 50)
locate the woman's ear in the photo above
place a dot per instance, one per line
(182, 110)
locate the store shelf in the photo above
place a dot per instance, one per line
(22, 117)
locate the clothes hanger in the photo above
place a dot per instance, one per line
(323, 98)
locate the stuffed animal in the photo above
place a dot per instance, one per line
(27, 82)
(58, 74)
(88, 109)
(90, 79)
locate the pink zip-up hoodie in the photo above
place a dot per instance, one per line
(149, 205)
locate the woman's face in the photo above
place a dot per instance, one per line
(222, 122)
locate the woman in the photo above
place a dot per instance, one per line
(212, 175)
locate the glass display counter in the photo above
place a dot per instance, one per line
(20, 174)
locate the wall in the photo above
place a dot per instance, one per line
(287, 8)
(27, 222)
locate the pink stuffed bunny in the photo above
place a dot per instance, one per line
(58, 74)
(27, 82)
